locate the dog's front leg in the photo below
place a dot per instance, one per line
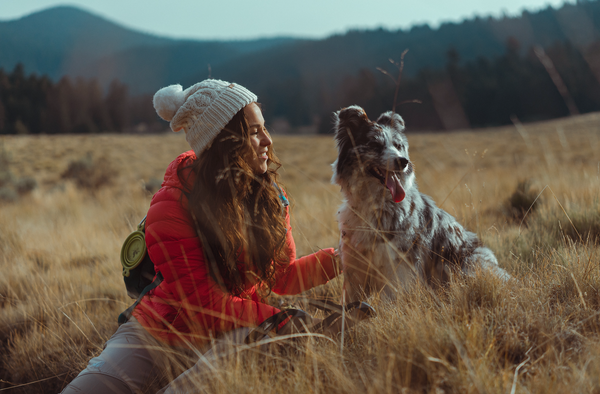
(356, 268)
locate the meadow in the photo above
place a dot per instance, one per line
(531, 192)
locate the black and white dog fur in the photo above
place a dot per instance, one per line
(391, 234)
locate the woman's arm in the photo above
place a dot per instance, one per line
(308, 271)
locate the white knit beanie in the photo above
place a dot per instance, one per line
(202, 110)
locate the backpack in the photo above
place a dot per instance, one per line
(139, 274)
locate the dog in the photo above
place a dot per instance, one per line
(391, 234)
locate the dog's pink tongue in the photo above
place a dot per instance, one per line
(393, 183)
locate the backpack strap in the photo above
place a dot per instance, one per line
(125, 316)
(284, 200)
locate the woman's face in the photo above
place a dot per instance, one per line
(259, 139)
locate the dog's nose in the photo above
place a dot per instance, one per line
(402, 162)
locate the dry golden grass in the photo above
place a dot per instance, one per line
(61, 289)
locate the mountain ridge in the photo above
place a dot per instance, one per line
(67, 40)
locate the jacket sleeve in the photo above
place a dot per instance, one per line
(306, 272)
(189, 295)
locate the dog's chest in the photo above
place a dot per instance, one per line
(365, 231)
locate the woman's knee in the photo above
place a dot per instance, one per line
(129, 363)
(95, 383)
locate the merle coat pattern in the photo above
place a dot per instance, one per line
(391, 233)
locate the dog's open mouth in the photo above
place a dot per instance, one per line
(391, 180)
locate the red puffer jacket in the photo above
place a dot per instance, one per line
(189, 306)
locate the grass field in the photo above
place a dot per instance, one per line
(61, 288)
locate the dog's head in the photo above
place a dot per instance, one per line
(375, 152)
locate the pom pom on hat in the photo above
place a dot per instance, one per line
(168, 100)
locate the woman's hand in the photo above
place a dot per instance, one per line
(337, 259)
(297, 325)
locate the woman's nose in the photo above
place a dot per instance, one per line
(266, 140)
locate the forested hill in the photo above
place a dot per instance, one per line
(478, 72)
(345, 54)
(67, 41)
(48, 41)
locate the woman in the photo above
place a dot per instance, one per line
(219, 233)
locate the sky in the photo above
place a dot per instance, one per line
(244, 19)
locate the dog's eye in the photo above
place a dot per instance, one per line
(376, 143)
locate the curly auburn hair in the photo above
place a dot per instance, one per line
(238, 214)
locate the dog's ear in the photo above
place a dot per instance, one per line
(391, 119)
(349, 123)
(351, 116)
